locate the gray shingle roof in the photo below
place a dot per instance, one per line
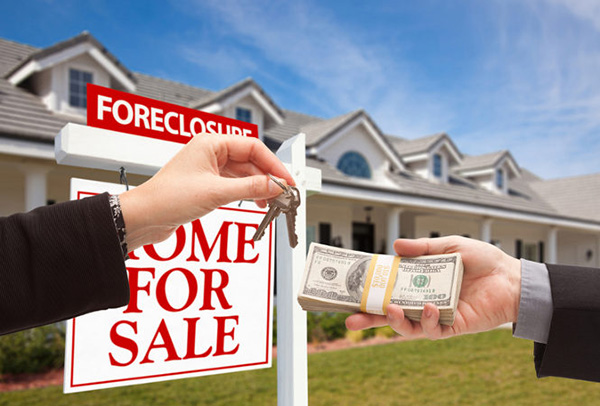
(78, 39)
(317, 131)
(23, 115)
(167, 90)
(294, 121)
(470, 162)
(418, 145)
(12, 54)
(578, 196)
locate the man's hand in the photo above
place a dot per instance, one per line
(489, 294)
(210, 171)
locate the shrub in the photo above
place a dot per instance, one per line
(355, 336)
(34, 350)
(385, 331)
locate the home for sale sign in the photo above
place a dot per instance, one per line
(200, 304)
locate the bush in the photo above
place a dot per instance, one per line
(385, 331)
(355, 336)
(35, 350)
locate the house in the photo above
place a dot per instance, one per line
(376, 187)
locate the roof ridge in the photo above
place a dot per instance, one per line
(172, 81)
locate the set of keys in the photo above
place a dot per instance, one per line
(287, 203)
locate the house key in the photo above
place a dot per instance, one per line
(286, 202)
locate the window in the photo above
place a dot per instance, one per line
(500, 179)
(354, 164)
(243, 114)
(77, 87)
(325, 233)
(437, 165)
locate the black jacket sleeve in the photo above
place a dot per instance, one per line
(58, 262)
(573, 348)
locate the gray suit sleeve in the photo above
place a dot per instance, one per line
(535, 306)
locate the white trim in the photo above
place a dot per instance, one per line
(213, 108)
(30, 149)
(67, 54)
(511, 165)
(476, 172)
(266, 106)
(415, 158)
(112, 69)
(361, 119)
(237, 96)
(395, 198)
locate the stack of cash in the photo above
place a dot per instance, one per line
(334, 280)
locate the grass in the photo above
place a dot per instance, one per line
(485, 369)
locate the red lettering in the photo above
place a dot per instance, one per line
(134, 288)
(221, 334)
(222, 236)
(167, 344)
(209, 288)
(180, 235)
(243, 241)
(191, 340)
(123, 342)
(161, 291)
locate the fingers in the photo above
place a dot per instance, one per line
(361, 321)
(426, 246)
(240, 149)
(395, 319)
(259, 187)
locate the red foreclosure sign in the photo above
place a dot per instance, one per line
(124, 112)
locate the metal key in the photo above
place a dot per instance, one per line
(275, 207)
(290, 217)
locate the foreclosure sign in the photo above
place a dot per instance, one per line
(114, 110)
(200, 304)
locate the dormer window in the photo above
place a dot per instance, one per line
(78, 80)
(437, 166)
(243, 114)
(354, 164)
(500, 179)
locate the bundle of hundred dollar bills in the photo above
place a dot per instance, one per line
(347, 281)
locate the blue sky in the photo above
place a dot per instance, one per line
(522, 75)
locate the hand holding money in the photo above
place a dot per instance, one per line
(489, 295)
(341, 280)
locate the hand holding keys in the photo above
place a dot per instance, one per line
(287, 202)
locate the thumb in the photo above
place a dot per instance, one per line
(249, 187)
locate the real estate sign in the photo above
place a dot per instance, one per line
(200, 304)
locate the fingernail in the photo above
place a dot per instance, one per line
(427, 312)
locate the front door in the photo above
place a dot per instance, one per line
(363, 237)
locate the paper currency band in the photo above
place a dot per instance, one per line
(379, 284)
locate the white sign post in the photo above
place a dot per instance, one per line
(103, 149)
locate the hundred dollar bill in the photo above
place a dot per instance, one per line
(334, 280)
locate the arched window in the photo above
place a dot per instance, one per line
(354, 164)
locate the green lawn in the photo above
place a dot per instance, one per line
(484, 369)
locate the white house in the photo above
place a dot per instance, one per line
(376, 187)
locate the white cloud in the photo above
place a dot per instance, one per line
(339, 71)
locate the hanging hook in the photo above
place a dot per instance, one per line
(123, 177)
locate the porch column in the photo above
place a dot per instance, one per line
(393, 228)
(485, 230)
(35, 186)
(552, 240)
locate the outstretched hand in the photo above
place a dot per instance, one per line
(210, 171)
(489, 295)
